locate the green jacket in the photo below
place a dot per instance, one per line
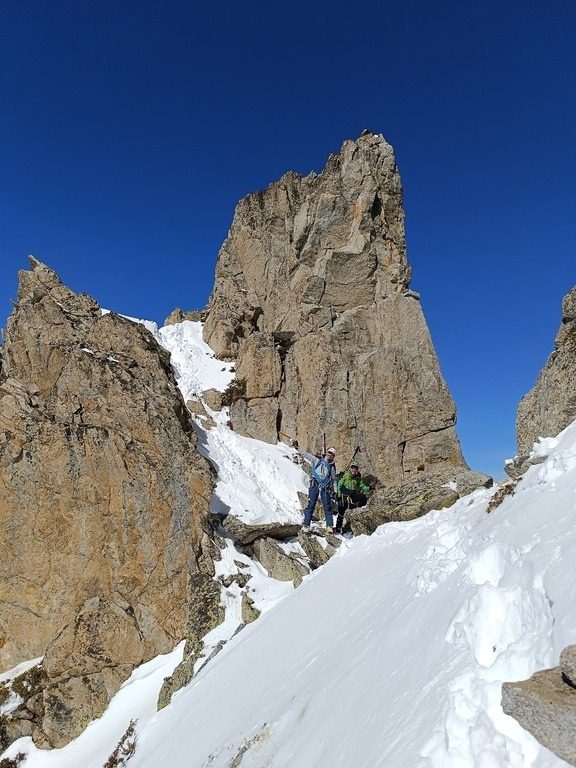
(350, 483)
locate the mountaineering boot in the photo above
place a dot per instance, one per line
(305, 529)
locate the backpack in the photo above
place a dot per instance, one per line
(322, 473)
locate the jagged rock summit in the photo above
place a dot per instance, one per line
(102, 502)
(312, 296)
(551, 405)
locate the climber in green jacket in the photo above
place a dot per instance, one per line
(351, 493)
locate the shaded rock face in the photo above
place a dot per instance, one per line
(102, 498)
(551, 405)
(312, 298)
(545, 705)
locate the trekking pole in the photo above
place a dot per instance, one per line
(285, 434)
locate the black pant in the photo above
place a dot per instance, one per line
(348, 500)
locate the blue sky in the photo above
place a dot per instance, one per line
(129, 130)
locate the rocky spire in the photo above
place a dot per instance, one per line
(312, 296)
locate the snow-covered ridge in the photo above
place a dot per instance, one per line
(390, 656)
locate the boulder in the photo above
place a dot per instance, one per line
(546, 707)
(213, 399)
(196, 407)
(517, 466)
(279, 565)
(246, 533)
(551, 405)
(249, 611)
(315, 551)
(406, 501)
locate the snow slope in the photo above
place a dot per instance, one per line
(391, 655)
(257, 482)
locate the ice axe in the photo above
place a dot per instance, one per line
(356, 452)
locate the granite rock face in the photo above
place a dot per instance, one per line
(545, 705)
(312, 298)
(102, 498)
(551, 405)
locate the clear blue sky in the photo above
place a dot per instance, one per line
(130, 129)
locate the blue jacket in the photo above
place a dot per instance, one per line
(314, 461)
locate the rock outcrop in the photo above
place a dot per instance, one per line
(545, 705)
(278, 564)
(312, 298)
(246, 533)
(551, 405)
(205, 614)
(402, 502)
(318, 549)
(103, 497)
(178, 316)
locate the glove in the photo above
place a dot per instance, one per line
(294, 443)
